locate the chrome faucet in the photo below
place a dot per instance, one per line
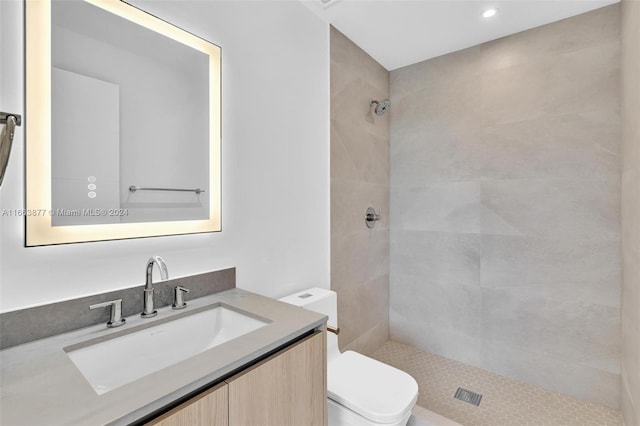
(148, 311)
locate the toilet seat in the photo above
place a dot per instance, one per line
(374, 390)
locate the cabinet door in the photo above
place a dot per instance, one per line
(210, 408)
(286, 389)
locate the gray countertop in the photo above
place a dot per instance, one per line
(40, 385)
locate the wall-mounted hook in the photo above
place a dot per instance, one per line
(371, 217)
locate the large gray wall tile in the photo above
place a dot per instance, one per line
(444, 341)
(343, 166)
(359, 179)
(349, 202)
(630, 46)
(352, 63)
(441, 207)
(573, 145)
(437, 256)
(435, 151)
(559, 320)
(519, 261)
(431, 142)
(359, 257)
(361, 308)
(578, 209)
(450, 69)
(366, 150)
(593, 28)
(553, 372)
(577, 81)
(371, 340)
(505, 204)
(441, 304)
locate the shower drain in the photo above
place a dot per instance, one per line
(468, 396)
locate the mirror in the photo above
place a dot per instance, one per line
(122, 125)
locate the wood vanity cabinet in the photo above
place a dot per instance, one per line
(210, 408)
(286, 389)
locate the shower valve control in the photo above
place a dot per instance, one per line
(371, 217)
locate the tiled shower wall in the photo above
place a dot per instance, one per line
(359, 179)
(631, 211)
(505, 206)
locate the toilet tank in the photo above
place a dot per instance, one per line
(318, 300)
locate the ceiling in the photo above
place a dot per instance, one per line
(397, 33)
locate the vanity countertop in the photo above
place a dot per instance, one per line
(40, 385)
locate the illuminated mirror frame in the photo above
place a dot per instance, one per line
(39, 229)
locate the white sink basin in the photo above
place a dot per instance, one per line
(112, 363)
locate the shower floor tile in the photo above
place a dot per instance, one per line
(505, 402)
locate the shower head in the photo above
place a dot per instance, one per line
(381, 107)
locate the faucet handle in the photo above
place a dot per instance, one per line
(116, 319)
(178, 297)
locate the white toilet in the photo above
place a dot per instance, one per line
(361, 390)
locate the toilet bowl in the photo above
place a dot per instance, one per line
(361, 390)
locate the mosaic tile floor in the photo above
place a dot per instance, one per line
(423, 417)
(505, 402)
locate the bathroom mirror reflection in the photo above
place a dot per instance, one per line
(124, 116)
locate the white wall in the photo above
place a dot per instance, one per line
(275, 164)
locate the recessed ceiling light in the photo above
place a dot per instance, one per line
(489, 13)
